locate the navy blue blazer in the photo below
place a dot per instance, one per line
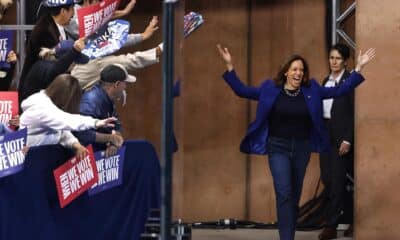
(256, 137)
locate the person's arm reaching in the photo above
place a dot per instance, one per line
(128, 8)
(232, 79)
(135, 38)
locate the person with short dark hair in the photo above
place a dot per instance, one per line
(99, 102)
(339, 120)
(51, 114)
(48, 31)
(289, 126)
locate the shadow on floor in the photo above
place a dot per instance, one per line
(252, 234)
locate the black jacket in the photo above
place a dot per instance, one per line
(43, 73)
(341, 125)
(44, 34)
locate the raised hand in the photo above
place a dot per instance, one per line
(226, 56)
(365, 58)
(151, 28)
(128, 8)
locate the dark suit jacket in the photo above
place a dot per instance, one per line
(44, 34)
(341, 125)
(43, 72)
(257, 133)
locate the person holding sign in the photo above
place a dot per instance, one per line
(73, 27)
(289, 126)
(48, 31)
(51, 114)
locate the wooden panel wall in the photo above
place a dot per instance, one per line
(214, 119)
(141, 117)
(377, 123)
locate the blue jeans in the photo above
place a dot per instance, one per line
(288, 160)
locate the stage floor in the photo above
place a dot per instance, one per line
(252, 234)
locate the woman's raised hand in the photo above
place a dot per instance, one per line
(365, 58)
(226, 56)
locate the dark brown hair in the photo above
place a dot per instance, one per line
(54, 11)
(280, 78)
(342, 49)
(65, 93)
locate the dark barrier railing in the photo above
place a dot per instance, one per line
(29, 207)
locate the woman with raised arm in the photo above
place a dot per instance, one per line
(289, 126)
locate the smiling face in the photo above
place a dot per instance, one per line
(294, 75)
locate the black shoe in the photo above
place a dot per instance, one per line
(328, 233)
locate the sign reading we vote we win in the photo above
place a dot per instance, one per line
(11, 152)
(6, 43)
(74, 177)
(109, 170)
(8, 106)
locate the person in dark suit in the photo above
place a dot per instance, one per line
(54, 62)
(48, 32)
(289, 126)
(339, 120)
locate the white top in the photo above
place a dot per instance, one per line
(88, 74)
(63, 36)
(327, 103)
(47, 124)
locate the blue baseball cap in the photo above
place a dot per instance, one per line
(58, 3)
(66, 45)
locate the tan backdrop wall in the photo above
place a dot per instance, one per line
(378, 123)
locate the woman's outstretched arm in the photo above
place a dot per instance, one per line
(353, 81)
(232, 79)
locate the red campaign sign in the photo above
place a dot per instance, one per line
(75, 177)
(8, 106)
(92, 17)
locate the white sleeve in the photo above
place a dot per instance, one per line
(140, 59)
(54, 118)
(67, 139)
